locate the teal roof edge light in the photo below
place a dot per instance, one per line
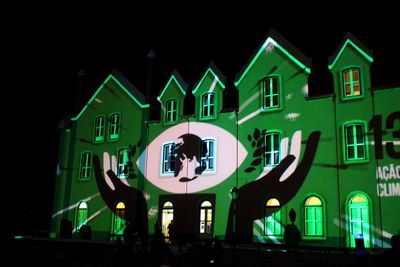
(360, 50)
(111, 76)
(209, 69)
(178, 80)
(270, 40)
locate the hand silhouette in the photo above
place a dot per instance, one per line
(282, 182)
(114, 190)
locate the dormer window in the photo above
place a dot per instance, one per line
(271, 92)
(115, 124)
(351, 83)
(208, 105)
(171, 111)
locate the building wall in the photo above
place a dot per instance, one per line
(311, 128)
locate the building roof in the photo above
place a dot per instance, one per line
(125, 85)
(395, 86)
(278, 41)
(350, 39)
(179, 81)
(128, 85)
(213, 69)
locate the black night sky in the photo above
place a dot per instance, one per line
(44, 51)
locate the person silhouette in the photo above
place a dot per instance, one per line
(157, 246)
(171, 231)
(391, 255)
(157, 230)
(128, 233)
(292, 233)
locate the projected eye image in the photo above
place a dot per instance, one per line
(184, 162)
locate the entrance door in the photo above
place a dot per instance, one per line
(206, 220)
(192, 215)
(167, 217)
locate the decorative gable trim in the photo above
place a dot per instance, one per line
(212, 68)
(275, 40)
(177, 78)
(350, 39)
(124, 84)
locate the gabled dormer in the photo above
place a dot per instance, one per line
(208, 93)
(350, 67)
(115, 103)
(275, 70)
(171, 99)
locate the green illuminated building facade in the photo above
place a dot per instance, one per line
(334, 159)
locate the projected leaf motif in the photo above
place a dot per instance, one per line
(132, 152)
(249, 169)
(256, 162)
(257, 141)
(256, 134)
(258, 152)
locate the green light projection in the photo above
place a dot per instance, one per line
(342, 141)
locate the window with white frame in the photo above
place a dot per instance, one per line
(86, 166)
(124, 163)
(168, 158)
(99, 129)
(171, 111)
(355, 143)
(208, 105)
(208, 155)
(115, 125)
(270, 92)
(272, 155)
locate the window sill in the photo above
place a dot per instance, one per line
(355, 161)
(273, 109)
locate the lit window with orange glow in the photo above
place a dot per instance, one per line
(351, 83)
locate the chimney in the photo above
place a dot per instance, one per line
(151, 85)
(230, 95)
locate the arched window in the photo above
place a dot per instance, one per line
(81, 215)
(358, 209)
(273, 225)
(167, 217)
(119, 221)
(313, 217)
(206, 218)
